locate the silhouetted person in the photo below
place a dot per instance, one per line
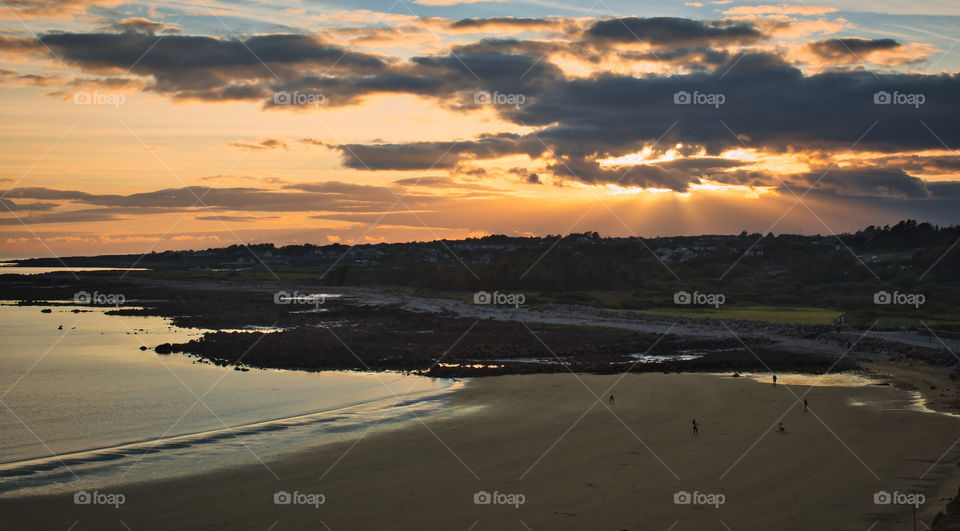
(805, 405)
(696, 427)
(611, 399)
(774, 380)
(780, 428)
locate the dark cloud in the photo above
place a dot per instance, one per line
(482, 24)
(768, 102)
(260, 145)
(316, 142)
(676, 174)
(349, 89)
(41, 193)
(9, 206)
(207, 67)
(670, 31)
(645, 175)
(745, 177)
(234, 219)
(701, 164)
(346, 191)
(302, 197)
(425, 181)
(693, 59)
(429, 155)
(11, 77)
(851, 47)
(869, 182)
(73, 216)
(443, 182)
(505, 65)
(931, 164)
(944, 190)
(19, 44)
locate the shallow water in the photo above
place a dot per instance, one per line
(840, 379)
(9, 268)
(905, 401)
(83, 406)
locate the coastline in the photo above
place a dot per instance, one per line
(193, 453)
(387, 329)
(578, 463)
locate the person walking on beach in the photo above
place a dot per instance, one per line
(611, 399)
(696, 427)
(781, 429)
(805, 405)
(774, 380)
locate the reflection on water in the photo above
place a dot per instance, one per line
(913, 401)
(12, 269)
(841, 379)
(900, 401)
(86, 402)
(656, 358)
(165, 457)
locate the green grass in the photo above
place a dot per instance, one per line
(857, 304)
(770, 314)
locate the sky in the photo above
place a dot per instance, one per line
(139, 127)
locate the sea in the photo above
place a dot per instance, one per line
(84, 406)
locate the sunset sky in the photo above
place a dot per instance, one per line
(131, 127)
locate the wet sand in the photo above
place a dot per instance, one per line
(580, 463)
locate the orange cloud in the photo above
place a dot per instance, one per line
(784, 9)
(51, 8)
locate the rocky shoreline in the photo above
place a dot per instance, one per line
(371, 329)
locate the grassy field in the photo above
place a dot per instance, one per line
(857, 305)
(770, 314)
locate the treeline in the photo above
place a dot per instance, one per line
(904, 254)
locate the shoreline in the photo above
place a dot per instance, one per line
(342, 422)
(596, 469)
(801, 348)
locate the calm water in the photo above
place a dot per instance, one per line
(10, 268)
(86, 408)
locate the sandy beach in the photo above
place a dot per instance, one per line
(576, 462)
